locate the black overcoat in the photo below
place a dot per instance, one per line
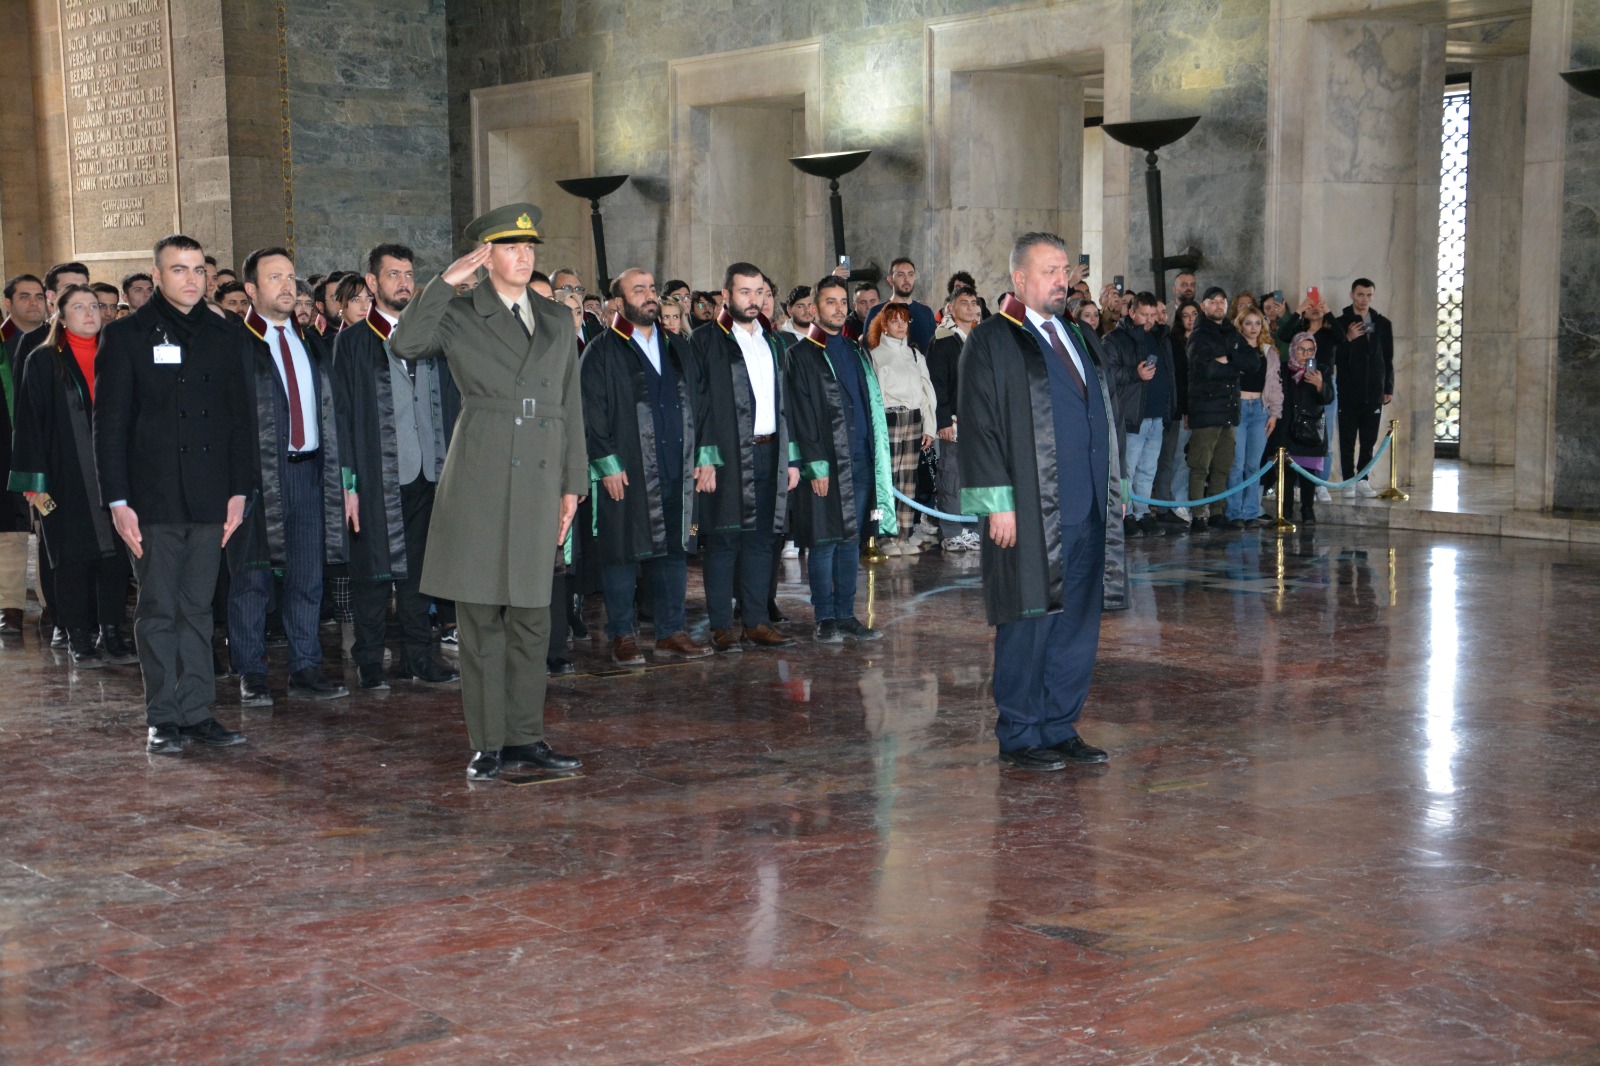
(725, 413)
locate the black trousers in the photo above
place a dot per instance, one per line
(560, 603)
(369, 600)
(172, 623)
(1357, 420)
(745, 556)
(299, 595)
(1298, 482)
(93, 593)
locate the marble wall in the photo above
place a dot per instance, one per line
(1576, 409)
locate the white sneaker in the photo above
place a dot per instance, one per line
(1364, 489)
(971, 540)
(891, 548)
(1183, 513)
(1323, 495)
(954, 544)
(790, 551)
(1348, 492)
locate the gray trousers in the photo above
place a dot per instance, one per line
(173, 623)
(949, 495)
(503, 673)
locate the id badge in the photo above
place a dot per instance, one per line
(168, 355)
(876, 515)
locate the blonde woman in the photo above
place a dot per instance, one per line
(1260, 407)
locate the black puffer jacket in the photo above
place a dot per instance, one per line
(1213, 385)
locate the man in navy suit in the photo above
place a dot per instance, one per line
(1037, 466)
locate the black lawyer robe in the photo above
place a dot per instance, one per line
(726, 416)
(369, 457)
(54, 454)
(620, 428)
(1008, 463)
(14, 348)
(260, 543)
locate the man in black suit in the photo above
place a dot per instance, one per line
(21, 332)
(173, 451)
(296, 523)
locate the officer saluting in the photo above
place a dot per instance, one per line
(512, 477)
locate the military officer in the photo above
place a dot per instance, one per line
(512, 478)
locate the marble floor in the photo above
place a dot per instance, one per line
(1349, 818)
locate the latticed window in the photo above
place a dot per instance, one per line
(1452, 266)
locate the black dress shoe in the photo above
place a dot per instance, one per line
(828, 632)
(309, 684)
(484, 766)
(253, 691)
(424, 668)
(164, 740)
(560, 667)
(11, 623)
(1198, 524)
(538, 755)
(1074, 750)
(852, 629)
(84, 652)
(1130, 527)
(1042, 760)
(115, 646)
(575, 618)
(372, 677)
(211, 733)
(58, 637)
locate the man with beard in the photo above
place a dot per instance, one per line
(22, 331)
(1218, 358)
(802, 311)
(294, 523)
(639, 417)
(393, 427)
(1038, 467)
(902, 283)
(865, 299)
(745, 443)
(841, 441)
(305, 305)
(327, 302)
(511, 480)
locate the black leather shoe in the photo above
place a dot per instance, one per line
(1074, 750)
(58, 637)
(1198, 524)
(11, 623)
(1041, 760)
(538, 755)
(484, 766)
(164, 740)
(424, 668)
(115, 646)
(211, 733)
(85, 654)
(575, 618)
(828, 632)
(372, 677)
(309, 684)
(852, 629)
(560, 667)
(253, 691)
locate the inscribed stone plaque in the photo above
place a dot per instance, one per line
(116, 66)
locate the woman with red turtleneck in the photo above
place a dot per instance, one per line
(52, 462)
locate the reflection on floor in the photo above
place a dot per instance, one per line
(1349, 817)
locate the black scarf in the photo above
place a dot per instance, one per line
(182, 326)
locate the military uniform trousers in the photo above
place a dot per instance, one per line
(503, 673)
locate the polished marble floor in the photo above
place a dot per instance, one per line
(1350, 817)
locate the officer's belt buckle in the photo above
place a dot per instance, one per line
(528, 404)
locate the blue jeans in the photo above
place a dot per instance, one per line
(1175, 442)
(1249, 442)
(1142, 460)
(832, 567)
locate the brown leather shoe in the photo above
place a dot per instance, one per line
(625, 651)
(11, 622)
(680, 646)
(726, 640)
(768, 636)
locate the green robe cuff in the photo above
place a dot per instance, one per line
(709, 455)
(25, 482)
(347, 478)
(794, 451)
(604, 467)
(995, 499)
(813, 471)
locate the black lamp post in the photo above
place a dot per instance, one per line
(833, 166)
(1151, 136)
(1586, 82)
(592, 189)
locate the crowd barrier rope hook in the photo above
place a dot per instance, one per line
(1282, 525)
(1393, 491)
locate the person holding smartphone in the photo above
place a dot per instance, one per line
(1140, 364)
(1364, 366)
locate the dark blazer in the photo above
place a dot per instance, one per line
(1366, 364)
(173, 439)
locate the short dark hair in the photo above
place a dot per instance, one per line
(137, 275)
(181, 241)
(832, 281)
(739, 270)
(11, 286)
(253, 260)
(53, 275)
(211, 260)
(902, 259)
(348, 286)
(393, 251)
(303, 288)
(960, 279)
(1356, 284)
(102, 287)
(866, 286)
(228, 288)
(796, 294)
(230, 272)
(1145, 299)
(674, 285)
(537, 275)
(963, 290)
(314, 281)
(596, 297)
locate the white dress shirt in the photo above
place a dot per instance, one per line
(763, 376)
(306, 384)
(650, 346)
(1064, 333)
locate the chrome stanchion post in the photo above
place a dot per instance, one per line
(1393, 491)
(1282, 525)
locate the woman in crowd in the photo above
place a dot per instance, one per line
(1314, 317)
(671, 317)
(1260, 407)
(1085, 312)
(909, 407)
(1244, 301)
(1306, 390)
(354, 300)
(53, 465)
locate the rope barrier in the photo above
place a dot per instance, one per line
(1266, 468)
(1383, 446)
(930, 512)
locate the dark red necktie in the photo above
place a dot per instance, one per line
(297, 425)
(1066, 356)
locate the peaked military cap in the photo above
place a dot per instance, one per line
(508, 224)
